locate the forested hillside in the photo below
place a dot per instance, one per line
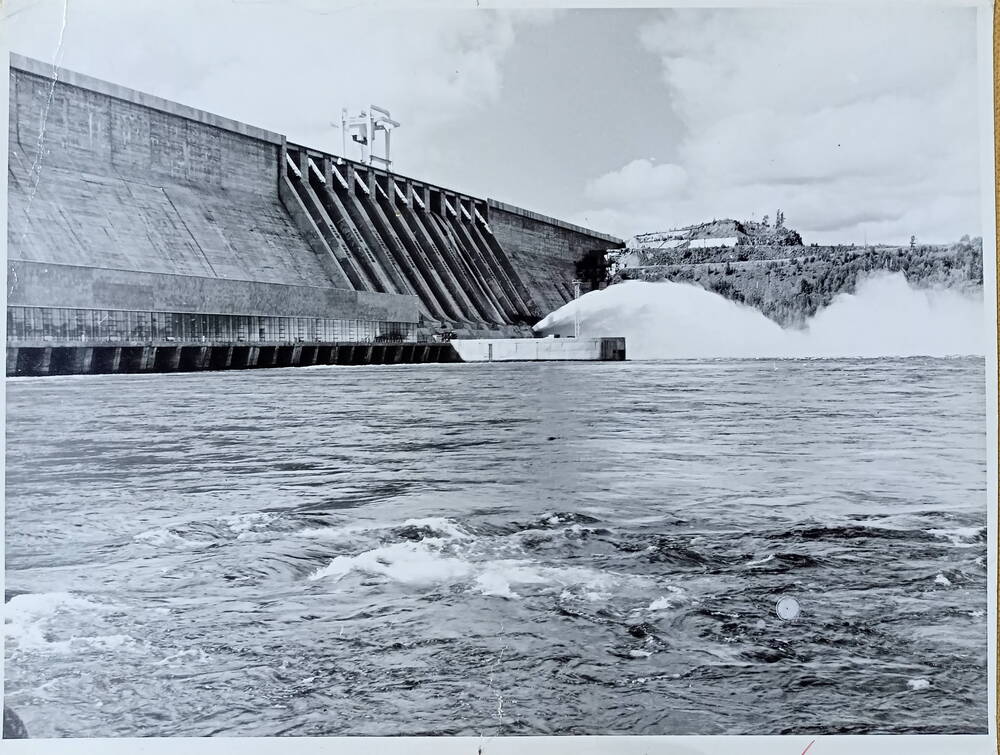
(790, 283)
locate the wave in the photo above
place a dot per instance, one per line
(411, 529)
(666, 602)
(885, 317)
(168, 538)
(962, 537)
(197, 534)
(32, 623)
(432, 562)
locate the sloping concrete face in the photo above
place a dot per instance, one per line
(125, 186)
(467, 259)
(544, 251)
(391, 233)
(144, 194)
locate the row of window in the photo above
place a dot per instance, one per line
(59, 324)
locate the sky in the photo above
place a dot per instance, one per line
(860, 124)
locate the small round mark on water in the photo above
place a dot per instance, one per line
(787, 608)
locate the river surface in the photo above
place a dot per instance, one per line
(500, 549)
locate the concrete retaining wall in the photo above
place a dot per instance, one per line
(35, 361)
(38, 284)
(544, 251)
(541, 349)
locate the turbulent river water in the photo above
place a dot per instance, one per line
(500, 549)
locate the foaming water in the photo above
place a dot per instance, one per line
(383, 551)
(886, 317)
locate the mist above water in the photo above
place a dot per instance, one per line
(886, 317)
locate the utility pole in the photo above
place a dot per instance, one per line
(384, 123)
(576, 308)
(343, 132)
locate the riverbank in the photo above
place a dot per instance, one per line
(789, 284)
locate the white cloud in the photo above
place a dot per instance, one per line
(852, 121)
(288, 67)
(637, 181)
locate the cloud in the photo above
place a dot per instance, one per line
(853, 121)
(288, 67)
(637, 181)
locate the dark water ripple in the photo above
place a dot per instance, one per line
(587, 549)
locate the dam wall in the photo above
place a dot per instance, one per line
(81, 287)
(137, 220)
(390, 233)
(544, 251)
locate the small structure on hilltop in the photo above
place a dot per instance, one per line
(745, 239)
(720, 234)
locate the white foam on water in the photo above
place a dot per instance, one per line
(184, 657)
(114, 642)
(167, 538)
(428, 563)
(407, 562)
(542, 533)
(250, 526)
(30, 619)
(940, 579)
(492, 583)
(591, 596)
(332, 533)
(664, 602)
(256, 525)
(761, 561)
(442, 526)
(918, 684)
(885, 317)
(958, 536)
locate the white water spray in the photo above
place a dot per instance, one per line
(886, 317)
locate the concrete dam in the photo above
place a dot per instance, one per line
(147, 236)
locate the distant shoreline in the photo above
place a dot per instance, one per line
(790, 283)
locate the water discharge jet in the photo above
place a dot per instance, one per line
(885, 317)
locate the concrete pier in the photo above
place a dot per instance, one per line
(540, 349)
(35, 359)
